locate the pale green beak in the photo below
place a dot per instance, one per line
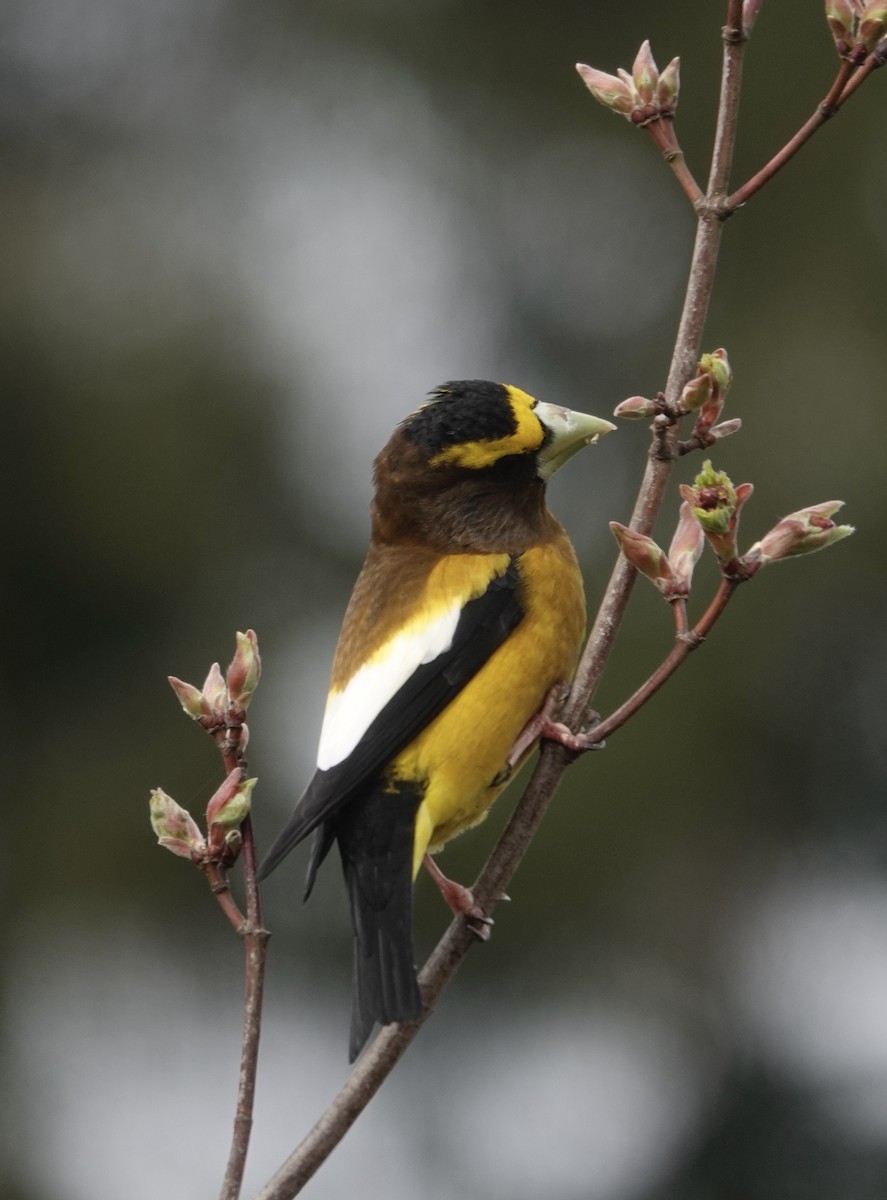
(570, 432)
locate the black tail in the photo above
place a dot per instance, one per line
(375, 833)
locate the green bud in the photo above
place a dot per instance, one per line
(608, 90)
(174, 826)
(717, 365)
(716, 504)
(229, 804)
(712, 498)
(228, 809)
(190, 697)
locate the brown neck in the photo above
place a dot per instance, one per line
(498, 510)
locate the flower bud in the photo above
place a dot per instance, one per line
(223, 797)
(243, 674)
(228, 808)
(190, 697)
(608, 90)
(725, 428)
(174, 826)
(668, 88)
(801, 532)
(684, 551)
(643, 553)
(636, 408)
(696, 393)
(644, 95)
(716, 504)
(842, 16)
(872, 24)
(717, 365)
(215, 693)
(645, 74)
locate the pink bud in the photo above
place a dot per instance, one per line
(725, 428)
(215, 693)
(228, 809)
(643, 553)
(684, 551)
(668, 88)
(223, 795)
(872, 24)
(608, 90)
(190, 697)
(696, 393)
(174, 826)
(801, 532)
(636, 408)
(645, 74)
(246, 667)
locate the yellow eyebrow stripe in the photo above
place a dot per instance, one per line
(484, 453)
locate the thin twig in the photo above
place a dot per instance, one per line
(735, 38)
(876, 59)
(663, 135)
(830, 105)
(684, 645)
(219, 885)
(255, 940)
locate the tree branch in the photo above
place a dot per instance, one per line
(828, 107)
(685, 644)
(255, 941)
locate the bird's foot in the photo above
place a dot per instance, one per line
(545, 725)
(461, 901)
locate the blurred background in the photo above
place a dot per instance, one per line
(241, 243)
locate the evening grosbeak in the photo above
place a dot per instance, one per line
(467, 614)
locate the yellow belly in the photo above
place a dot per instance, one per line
(463, 750)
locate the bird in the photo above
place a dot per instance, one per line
(463, 628)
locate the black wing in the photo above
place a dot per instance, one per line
(483, 626)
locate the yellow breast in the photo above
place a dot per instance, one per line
(461, 752)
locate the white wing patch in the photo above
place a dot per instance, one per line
(350, 712)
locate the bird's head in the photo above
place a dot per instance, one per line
(473, 459)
